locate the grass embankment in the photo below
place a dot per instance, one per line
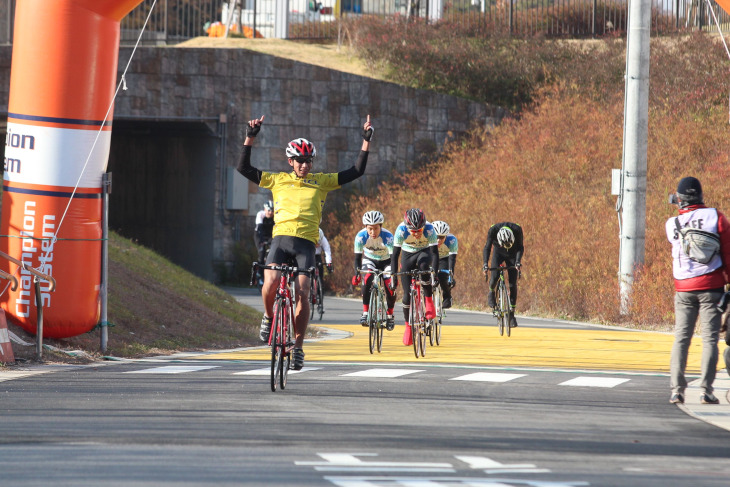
(549, 166)
(156, 307)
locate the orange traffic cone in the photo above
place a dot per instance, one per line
(408, 336)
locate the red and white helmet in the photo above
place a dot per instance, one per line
(300, 148)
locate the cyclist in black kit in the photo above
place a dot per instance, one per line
(509, 246)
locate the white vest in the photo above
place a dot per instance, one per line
(702, 219)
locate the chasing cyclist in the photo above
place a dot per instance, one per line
(448, 247)
(417, 239)
(262, 233)
(509, 246)
(298, 199)
(373, 248)
(323, 247)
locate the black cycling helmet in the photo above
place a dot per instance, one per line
(414, 219)
(269, 205)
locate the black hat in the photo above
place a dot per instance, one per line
(689, 186)
(689, 191)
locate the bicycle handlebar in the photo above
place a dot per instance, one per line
(500, 268)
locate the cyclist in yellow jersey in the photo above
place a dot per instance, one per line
(298, 201)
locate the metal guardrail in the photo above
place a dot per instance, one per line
(174, 21)
(38, 276)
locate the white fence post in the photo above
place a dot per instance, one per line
(281, 19)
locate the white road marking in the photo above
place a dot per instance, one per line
(489, 377)
(338, 462)
(383, 373)
(594, 382)
(382, 481)
(267, 371)
(173, 369)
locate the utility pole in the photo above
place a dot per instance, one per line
(632, 200)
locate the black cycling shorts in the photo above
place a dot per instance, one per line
(291, 250)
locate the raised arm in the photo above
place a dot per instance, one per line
(244, 164)
(351, 174)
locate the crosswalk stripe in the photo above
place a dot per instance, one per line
(173, 369)
(594, 382)
(489, 377)
(382, 373)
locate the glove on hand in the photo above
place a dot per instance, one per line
(253, 131)
(356, 280)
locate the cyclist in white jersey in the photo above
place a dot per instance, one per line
(373, 247)
(448, 247)
(323, 247)
(417, 239)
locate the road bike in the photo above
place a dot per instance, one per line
(281, 336)
(503, 309)
(420, 326)
(377, 309)
(438, 303)
(316, 294)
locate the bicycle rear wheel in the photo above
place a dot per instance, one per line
(320, 298)
(312, 297)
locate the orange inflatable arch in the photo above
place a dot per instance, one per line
(62, 82)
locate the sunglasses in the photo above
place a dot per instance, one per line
(303, 160)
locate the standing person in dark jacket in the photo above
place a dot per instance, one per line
(509, 246)
(699, 287)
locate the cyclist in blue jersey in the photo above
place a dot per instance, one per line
(417, 239)
(448, 247)
(373, 247)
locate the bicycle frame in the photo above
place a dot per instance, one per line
(280, 338)
(420, 327)
(377, 309)
(502, 310)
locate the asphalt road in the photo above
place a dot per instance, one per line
(211, 419)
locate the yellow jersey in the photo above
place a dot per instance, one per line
(298, 202)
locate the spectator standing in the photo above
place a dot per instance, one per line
(699, 288)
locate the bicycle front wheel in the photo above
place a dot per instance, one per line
(503, 309)
(414, 320)
(381, 317)
(286, 345)
(436, 328)
(373, 321)
(277, 347)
